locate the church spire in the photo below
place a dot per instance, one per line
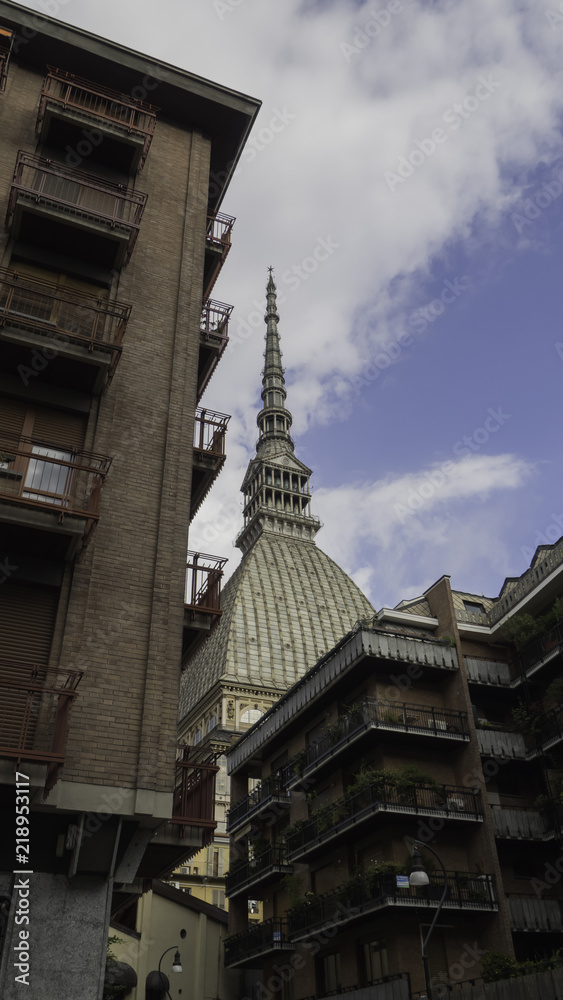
(276, 486)
(274, 420)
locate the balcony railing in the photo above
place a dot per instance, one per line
(203, 582)
(98, 104)
(531, 579)
(256, 942)
(472, 617)
(537, 652)
(54, 313)
(218, 244)
(528, 913)
(77, 195)
(39, 474)
(6, 38)
(521, 824)
(395, 987)
(493, 672)
(552, 728)
(335, 820)
(498, 743)
(365, 895)
(370, 714)
(258, 871)
(214, 337)
(209, 453)
(269, 794)
(34, 714)
(194, 789)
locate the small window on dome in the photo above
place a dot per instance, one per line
(251, 716)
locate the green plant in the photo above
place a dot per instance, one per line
(298, 761)
(293, 885)
(528, 720)
(111, 991)
(496, 965)
(555, 691)
(334, 732)
(395, 717)
(448, 640)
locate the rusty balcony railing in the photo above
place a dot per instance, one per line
(37, 473)
(6, 39)
(209, 432)
(99, 104)
(55, 313)
(41, 182)
(203, 582)
(213, 329)
(34, 715)
(194, 789)
(218, 244)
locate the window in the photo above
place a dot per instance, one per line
(474, 607)
(374, 960)
(198, 736)
(253, 906)
(329, 973)
(212, 723)
(219, 898)
(251, 716)
(46, 481)
(215, 864)
(195, 871)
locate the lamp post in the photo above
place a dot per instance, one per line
(418, 877)
(158, 981)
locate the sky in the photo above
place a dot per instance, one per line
(405, 180)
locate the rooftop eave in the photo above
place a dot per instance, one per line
(404, 618)
(226, 115)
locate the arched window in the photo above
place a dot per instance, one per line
(251, 715)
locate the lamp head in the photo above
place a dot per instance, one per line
(177, 963)
(418, 875)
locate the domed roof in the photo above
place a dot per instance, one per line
(286, 604)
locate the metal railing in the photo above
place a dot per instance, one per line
(394, 987)
(271, 935)
(45, 182)
(373, 714)
(203, 582)
(273, 858)
(529, 913)
(194, 788)
(6, 38)
(37, 473)
(259, 798)
(521, 824)
(365, 894)
(98, 103)
(214, 323)
(539, 649)
(528, 582)
(34, 714)
(219, 229)
(472, 617)
(483, 671)
(209, 431)
(552, 727)
(446, 801)
(51, 311)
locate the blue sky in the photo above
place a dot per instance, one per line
(419, 146)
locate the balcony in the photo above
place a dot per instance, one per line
(213, 339)
(34, 715)
(395, 987)
(86, 331)
(72, 213)
(370, 718)
(493, 673)
(522, 824)
(528, 913)
(541, 652)
(202, 601)
(6, 38)
(217, 246)
(68, 103)
(501, 743)
(365, 895)
(258, 942)
(552, 729)
(254, 875)
(50, 488)
(270, 796)
(528, 582)
(194, 789)
(334, 823)
(209, 454)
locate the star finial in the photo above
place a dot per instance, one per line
(270, 269)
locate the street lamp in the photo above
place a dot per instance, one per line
(157, 982)
(418, 877)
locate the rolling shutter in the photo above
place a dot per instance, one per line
(59, 428)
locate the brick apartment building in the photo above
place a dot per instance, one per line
(426, 724)
(110, 245)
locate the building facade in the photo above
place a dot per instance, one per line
(111, 242)
(440, 721)
(286, 604)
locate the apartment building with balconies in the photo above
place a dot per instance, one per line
(110, 247)
(429, 723)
